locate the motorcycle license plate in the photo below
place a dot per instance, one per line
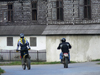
(66, 54)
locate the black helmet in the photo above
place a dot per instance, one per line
(21, 35)
(63, 40)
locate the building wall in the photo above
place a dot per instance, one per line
(46, 12)
(41, 43)
(84, 47)
(22, 13)
(74, 12)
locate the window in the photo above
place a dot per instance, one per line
(10, 12)
(59, 6)
(87, 9)
(9, 41)
(32, 41)
(34, 10)
(7, 0)
(1, 16)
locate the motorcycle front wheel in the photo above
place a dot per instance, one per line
(24, 67)
(28, 63)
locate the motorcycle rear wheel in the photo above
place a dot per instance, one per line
(66, 63)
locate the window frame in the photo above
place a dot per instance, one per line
(10, 39)
(10, 18)
(31, 40)
(2, 17)
(34, 9)
(58, 7)
(87, 10)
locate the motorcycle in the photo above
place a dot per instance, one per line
(65, 60)
(25, 60)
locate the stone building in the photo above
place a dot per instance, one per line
(45, 22)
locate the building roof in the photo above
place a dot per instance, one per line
(71, 29)
(49, 30)
(16, 30)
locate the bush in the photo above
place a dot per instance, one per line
(1, 71)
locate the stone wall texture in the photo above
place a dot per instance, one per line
(46, 12)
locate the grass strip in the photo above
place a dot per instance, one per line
(98, 63)
(32, 63)
(96, 60)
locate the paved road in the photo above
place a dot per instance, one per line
(88, 68)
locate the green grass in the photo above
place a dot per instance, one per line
(1, 71)
(37, 63)
(96, 60)
(32, 63)
(98, 63)
(11, 63)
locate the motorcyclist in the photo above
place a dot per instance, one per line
(64, 46)
(24, 45)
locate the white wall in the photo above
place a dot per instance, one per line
(41, 42)
(84, 47)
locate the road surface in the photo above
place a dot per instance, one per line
(87, 68)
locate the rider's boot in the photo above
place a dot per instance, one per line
(62, 61)
(69, 60)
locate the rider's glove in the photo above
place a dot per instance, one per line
(29, 49)
(16, 50)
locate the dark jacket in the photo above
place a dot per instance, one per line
(64, 46)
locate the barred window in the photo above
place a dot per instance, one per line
(32, 41)
(9, 41)
(87, 9)
(34, 10)
(10, 12)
